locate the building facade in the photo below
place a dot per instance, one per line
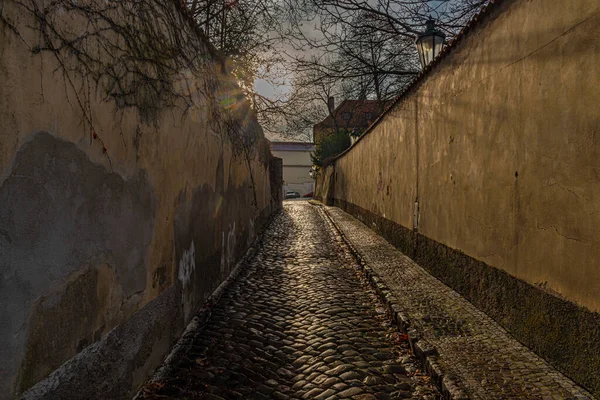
(352, 116)
(296, 165)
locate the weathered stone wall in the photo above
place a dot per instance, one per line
(487, 173)
(111, 239)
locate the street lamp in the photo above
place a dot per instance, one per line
(429, 43)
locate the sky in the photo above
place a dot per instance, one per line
(264, 88)
(274, 90)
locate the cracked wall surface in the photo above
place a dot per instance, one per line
(108, 247)
(492, 161)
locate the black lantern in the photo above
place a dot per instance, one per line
(429, 43)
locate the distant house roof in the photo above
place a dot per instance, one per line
(292, 146)
(354, 114)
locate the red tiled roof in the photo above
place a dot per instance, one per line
(354, 114)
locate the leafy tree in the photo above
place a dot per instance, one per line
(330, 147)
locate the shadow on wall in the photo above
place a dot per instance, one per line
(73, 245)
(498, 143)
(213, 228)
(73, 241)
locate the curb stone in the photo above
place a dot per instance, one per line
(450, 386)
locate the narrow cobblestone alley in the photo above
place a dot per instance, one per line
(299, 323)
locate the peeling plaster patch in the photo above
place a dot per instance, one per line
(60, 213)
(251, 231)
(219, 238)
(187, 267)
(222, 252)
(79, 311)
(231, 242)
(111, 367)
(228, 249)
(187, 264)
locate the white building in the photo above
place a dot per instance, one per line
(296, 165)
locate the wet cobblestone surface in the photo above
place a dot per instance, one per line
(479, 354)
(300, 323)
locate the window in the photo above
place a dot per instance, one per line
(346, 116)
(368, 116)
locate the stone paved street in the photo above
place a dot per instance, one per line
(299, 323)
(481, 356)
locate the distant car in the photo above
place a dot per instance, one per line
(291, 195)
(308, 194)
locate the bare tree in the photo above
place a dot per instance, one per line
(355, 49)
(242, 30)
(367, 46)
(292, 114)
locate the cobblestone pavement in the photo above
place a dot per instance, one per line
(485, 360)
(300, 324)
